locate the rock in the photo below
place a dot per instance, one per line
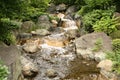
(86, 45)
(27, 26)
(56, 30)
(40, 32)
(71, 10)
(10, 55)
(43, 18)
(51, 73)
(51, 8)
(99, 56)
(60, 15)
(54, 22)
(105, 75)
(71, 34)
(29, 70)
(24, 36)
(68, 17)
(30, 48)
(56, 43)
(43, 22)
(61, 7)
(105, 65)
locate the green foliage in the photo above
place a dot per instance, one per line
(20, 10)
(3, 72)
(115, 55)
(69, 2)
(98, 45)
(116, 45)
(99, 4)
(91, 18)
(6, 26)
(115, 34)
(106, 24)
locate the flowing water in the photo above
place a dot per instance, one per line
(59, 54)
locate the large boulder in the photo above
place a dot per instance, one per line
(93, 46)
(10, 55)
(27, 26)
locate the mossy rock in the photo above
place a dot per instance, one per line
(115, 35)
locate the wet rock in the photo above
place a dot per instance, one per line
(27, 26)
(56, 30)
(105, 65)
(54, 22)
(29, 70)
(30, 48)
(40, 32)
(24, 36)
(51, 73)
(69, 25)
(71, 34)
(60, 15)
(68, 17)
(61, 7)
(86, 44)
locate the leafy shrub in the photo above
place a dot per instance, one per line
(106, 24)
(91, 18)
(116, 45)
(6, 26)
(99, 4)
(115, 55)
(115, 34)
(69, 2)
(3, 72)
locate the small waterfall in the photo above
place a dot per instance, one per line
(69, 24)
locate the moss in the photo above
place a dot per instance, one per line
(98, 45)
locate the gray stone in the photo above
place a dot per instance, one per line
(51, 73)
(71, 34)
(105, 65)
(43, 22)
(29, 69)
(61, 7)
(51, 8)
(30, 48)
(71, 10)
(86, 44)
(10, 55)
(41, 32)
(27, 26)
(24, 36)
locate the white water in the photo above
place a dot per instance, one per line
(52, 49)
(70, 24)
